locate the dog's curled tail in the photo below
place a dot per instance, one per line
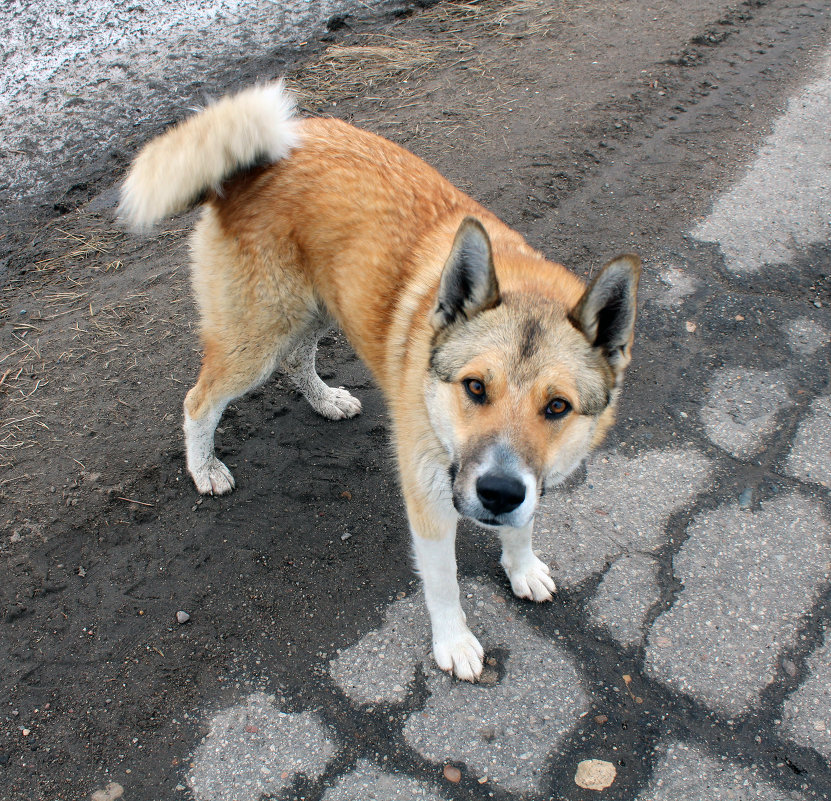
(173, 171)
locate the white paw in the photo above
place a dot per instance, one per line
(337, 404)
(212, 477)
(531, 579)
(462, 655)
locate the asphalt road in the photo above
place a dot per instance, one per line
(686, 656)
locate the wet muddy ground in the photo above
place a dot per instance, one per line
(591, 127)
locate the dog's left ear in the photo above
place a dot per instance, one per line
(468, 281)
(606, 312)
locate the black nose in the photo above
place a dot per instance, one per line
(500, 494)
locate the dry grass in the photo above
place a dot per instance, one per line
(352, 70)
(84, 245)
(67, 358)
(513, 19)
(59, 329)
(349, 70)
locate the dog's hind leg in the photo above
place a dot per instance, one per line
(331, 402)
(229, 370)
(202, 415)
(254, 305)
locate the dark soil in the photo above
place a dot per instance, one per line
(595, 128)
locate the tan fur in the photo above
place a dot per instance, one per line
(347, 226)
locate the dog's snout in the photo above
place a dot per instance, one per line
(499, 493)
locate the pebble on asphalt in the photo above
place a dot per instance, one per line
(112, 791)
(182, 617)
(595, 774)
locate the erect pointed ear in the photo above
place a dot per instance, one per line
(606, 312)
(468, 281)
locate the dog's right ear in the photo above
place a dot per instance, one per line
(468, 282)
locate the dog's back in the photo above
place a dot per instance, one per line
(364, 220)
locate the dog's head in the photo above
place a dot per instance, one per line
(522, 387)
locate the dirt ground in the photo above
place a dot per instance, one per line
(592, 127)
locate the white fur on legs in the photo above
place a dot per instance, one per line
(530, 577)
(455, 648)
(210, 475)
(334, 404)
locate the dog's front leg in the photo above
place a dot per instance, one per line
(529, 576)
(433, 527)
(455, 648)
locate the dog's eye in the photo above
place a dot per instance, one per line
(475, 389)
(558, 408)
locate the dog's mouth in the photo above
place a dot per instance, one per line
(487, 522)
(482, 518)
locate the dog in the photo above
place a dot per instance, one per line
(501, 370)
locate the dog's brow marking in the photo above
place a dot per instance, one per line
(530, 338)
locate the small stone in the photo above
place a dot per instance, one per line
(601, 719)
(789, 667)
(345, 536)
(82, 572)
(26, 732)
(182, 617)
(112, 791)
(739, 317)
(452, 774)
(595, 774)
(818, 304)
(746, 498)
(691, 326)
(346, 495)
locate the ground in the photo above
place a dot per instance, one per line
(687, 645)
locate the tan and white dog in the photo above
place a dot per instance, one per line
(501, 370)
